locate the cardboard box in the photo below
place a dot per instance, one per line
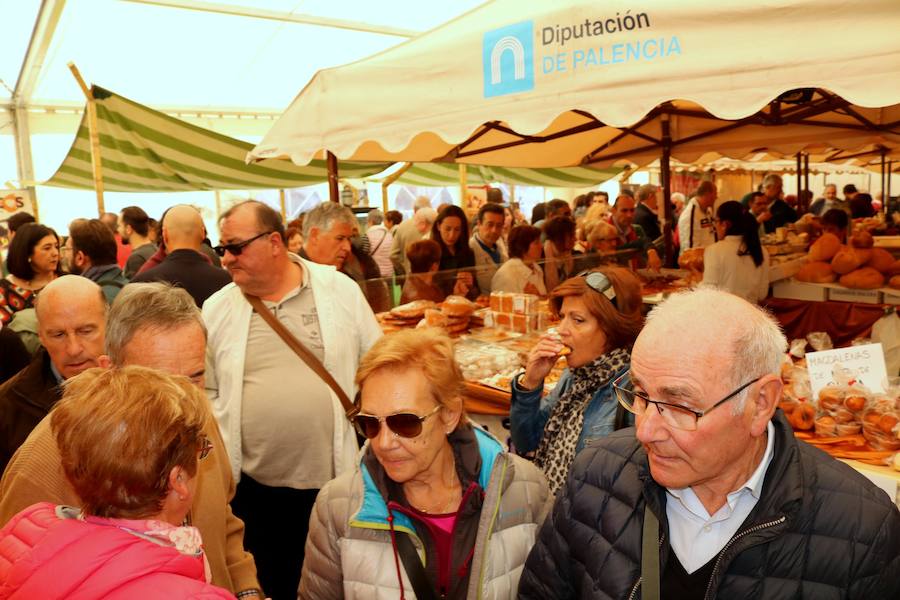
(890, 296)
(842, 294)
(799, 290)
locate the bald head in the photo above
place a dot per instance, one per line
(183, 228)
(71, 312)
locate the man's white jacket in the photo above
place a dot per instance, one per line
(348, 330)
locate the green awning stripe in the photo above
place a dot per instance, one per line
(146, 150)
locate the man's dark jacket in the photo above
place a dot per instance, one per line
(782, 214)
(648, 221)
(24, 401)
(819, 531)
(188, 269)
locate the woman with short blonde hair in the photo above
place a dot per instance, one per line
(130, 441)
(426, 485)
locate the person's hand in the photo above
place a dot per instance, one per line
(530, 288)
(540, 361)
(465, 277)
(460, 288)
(763, 217)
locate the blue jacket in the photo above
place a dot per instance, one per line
(529, 413)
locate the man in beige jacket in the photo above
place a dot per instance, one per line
(158, 326)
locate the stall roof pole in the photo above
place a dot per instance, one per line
(96, 157)
(333, 193)
(463, 184)
(665, 174)
(281, 205)
(388, 181)
(799, 174)
(805, 182)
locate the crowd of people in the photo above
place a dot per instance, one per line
(185, 420)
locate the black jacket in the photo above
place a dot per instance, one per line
(189, 270)
(24, 401)
(648, 221)
(782, 214)
(819, 531)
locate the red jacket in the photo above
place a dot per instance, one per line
(43, 555)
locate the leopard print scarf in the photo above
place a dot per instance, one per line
(561, 433)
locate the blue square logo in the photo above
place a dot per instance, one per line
(508, 59)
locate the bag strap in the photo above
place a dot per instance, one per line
(300, 350)
(378, 245)
(650, 556)
(415, 570)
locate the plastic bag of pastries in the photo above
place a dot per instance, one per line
(458, 306)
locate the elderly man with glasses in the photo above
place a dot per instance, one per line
(710, 495)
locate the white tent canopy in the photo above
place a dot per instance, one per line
(552, 84)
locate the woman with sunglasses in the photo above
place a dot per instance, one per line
(130, 441)
(737, 263)
(600, 317)
(435, 507)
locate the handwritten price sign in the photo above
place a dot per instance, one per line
(865, 364)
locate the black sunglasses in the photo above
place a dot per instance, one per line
(405, 425)
(238, 247)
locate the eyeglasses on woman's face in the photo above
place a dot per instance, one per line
(637, 402)
(407, 425)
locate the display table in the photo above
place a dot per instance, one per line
(843, 321)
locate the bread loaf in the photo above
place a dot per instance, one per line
(849, 259)
(895, 269)
(816, 272)
(458, 306)
(866, 278)
(824, 248)
(895, 282)
(862, 239)
(414, 309)
(881, 260)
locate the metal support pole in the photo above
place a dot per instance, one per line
(24, 163)
(333, 193)
(388, 181)
(281, 205)
(463, 184)
(665, 176)
(805, 181)
(884, 176)
(799, 174)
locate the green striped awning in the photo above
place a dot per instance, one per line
(144, 150)
(442, 174)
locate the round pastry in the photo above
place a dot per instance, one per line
(830, 399)
(803, 416)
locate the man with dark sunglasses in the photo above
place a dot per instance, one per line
(284, 428)
(711, 495)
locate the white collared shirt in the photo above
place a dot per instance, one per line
(696, 537)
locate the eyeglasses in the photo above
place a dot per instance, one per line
(238, 247)
(205, 447)
(405, 425)
(679, 417)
